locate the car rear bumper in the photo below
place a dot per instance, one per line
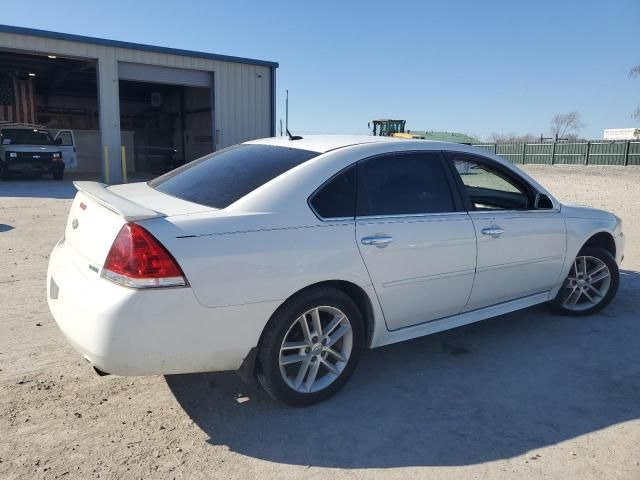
(125, 331)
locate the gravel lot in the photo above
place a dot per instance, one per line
(525, 395)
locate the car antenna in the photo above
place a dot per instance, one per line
(293, 137)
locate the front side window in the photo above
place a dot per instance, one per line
(488, 188)
(219, 179)
(337, 197)
(403, 184)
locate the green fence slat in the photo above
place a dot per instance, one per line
(593, 152)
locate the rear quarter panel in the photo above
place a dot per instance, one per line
(258, 258)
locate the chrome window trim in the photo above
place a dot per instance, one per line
(434, 214)
(513, 212)
(557, 205)
(409, 215)
(331, 219)
(443, 214)
(383, 217)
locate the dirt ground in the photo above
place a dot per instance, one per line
(525, 395)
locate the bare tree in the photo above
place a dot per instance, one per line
(511, 138)
(565, 125)
(635, 73)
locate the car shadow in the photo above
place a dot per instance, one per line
(37, 187)
(5, 228)
(491, 390)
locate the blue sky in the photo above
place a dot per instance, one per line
(469, 66)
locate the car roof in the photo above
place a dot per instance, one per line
(325, 143)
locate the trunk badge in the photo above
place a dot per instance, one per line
(74, 223)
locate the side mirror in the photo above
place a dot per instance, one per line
(542, 202)
(58, 141)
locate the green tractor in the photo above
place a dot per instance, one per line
(387, 128)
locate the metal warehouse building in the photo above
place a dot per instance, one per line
(157, 107)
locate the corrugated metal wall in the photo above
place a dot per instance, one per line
(243, 92)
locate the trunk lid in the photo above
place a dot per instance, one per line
(90, 231)
(98, 213)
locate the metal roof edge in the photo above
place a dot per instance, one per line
(132, 46)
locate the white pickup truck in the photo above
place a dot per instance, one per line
(29, 149)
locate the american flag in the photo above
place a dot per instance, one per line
(17, 100)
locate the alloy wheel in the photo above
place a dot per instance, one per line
(587, 284)
(316, 349)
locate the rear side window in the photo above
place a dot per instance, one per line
(337, 197)
(223, 177)
(403, 184)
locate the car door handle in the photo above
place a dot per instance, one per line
(379, 241)
(495, 232)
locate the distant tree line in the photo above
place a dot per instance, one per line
(563, 127)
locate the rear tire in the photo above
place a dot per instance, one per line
(301, 367)
(590, 286)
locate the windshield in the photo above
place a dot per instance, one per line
(26, 136)
(223, 177)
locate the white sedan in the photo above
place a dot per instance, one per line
(283, 258)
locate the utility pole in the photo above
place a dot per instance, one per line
(286, 113)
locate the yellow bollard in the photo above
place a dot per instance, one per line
(123, 159)
(106, 165)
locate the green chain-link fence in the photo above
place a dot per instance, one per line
(597, 152)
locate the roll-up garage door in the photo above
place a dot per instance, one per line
(153, 73)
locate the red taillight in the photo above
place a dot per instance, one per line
(138, 260)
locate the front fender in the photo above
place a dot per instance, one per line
(579, 231)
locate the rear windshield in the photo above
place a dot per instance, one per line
(223, 177)
(26, 136)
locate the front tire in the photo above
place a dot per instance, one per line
(590, 286)
(310, 347)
